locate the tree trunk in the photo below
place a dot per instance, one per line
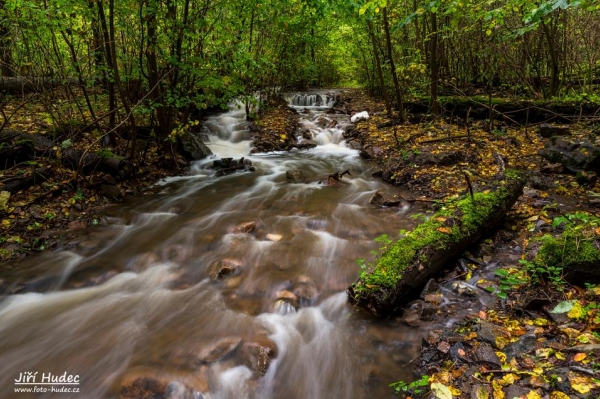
(112, 100)
(154, 79)
(550, 35)
(384, 93)
(407, 264)
(434, 66)
(388, 41)
(6, 63)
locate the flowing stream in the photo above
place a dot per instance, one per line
(135, 299)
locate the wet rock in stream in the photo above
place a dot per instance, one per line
(147, 383)
(247, 227)
(224, 268)
(257, 354)
(225, 166)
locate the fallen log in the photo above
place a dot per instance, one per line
(17, 184)
(27, 84)
(12, 142)
(408, 263)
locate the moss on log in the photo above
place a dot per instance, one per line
(409, 262)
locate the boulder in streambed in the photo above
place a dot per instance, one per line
(380, 201)
(191, 146)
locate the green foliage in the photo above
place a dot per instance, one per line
(413, 388)
(105, 153)
(509, 280)
(66, 144)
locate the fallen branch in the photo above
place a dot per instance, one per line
(449, 138)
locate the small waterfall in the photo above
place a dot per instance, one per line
(317, 100)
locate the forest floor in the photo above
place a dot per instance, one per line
(61, 200)
(525, 346)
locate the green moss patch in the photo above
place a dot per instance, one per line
(574, 255)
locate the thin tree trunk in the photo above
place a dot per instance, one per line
(154, 79)
(79, 75)
(434, 67)
(6, 62)
(117, 75)
(384, 93)
(550, 34)
(388, 41)
(112, 102)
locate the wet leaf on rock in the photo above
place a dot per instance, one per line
(563, 307)
(441, 391)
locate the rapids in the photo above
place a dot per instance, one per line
(134, 298)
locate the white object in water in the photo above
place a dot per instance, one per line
(361, 116)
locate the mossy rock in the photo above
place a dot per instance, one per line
(576, 251)
(409, 262)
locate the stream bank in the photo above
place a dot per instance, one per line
(513, 346)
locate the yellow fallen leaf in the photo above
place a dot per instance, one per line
(501, 357)
(582, 384)
(508, 379)
(497, 392)
(578, 312)
(579, 357)
(558, 395)
(541, 322)
(559, 356)
(533, 395)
